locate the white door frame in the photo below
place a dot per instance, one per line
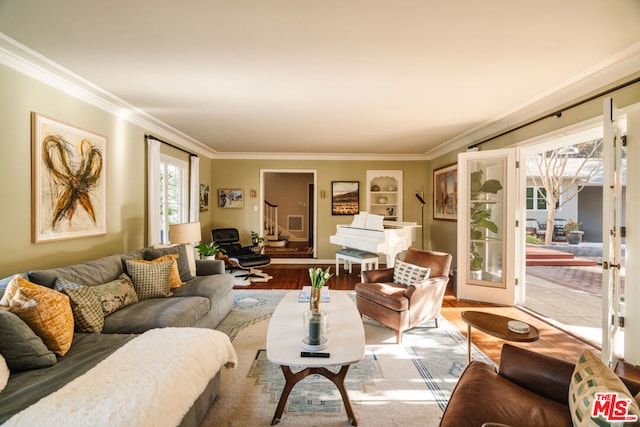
(315, 200)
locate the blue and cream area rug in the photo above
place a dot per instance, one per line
(404, 384)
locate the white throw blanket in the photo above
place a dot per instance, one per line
(152, 380)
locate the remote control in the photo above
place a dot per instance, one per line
(314, 354)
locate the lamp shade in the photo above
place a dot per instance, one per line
(188, 232)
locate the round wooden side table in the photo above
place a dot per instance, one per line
(496, 326)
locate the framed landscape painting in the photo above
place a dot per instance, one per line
(445, 193)
(230, 198)
(69, 181)
(345, 197)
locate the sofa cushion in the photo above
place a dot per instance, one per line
(46, 311)
(93, 272)
(150, 280)
(211, 287)
(183, 261)
(591, 376)
(407, 274)
(87, 309)
(22, 349)
(481, 395)
(156, 313)
(174, 279)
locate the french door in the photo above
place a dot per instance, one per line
(487, 222)
(612, 297)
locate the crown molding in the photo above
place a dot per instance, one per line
(320, 156)
(615, 68)
(30, 63)
(36, 66)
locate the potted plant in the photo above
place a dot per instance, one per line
(480, 219)
(209, 250)
(573, 232)
(256, 239)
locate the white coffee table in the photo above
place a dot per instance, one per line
(345, 344)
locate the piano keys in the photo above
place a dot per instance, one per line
(370, 233)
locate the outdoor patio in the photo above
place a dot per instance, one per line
(569, 296)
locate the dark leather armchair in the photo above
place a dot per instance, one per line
(403, 307)
(236, 254)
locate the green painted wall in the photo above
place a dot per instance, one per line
(246, 174)
(126, 177)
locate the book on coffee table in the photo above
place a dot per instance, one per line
(305, 294)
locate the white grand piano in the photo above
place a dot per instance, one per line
(370, 233)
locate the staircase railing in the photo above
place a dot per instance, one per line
(271, 221)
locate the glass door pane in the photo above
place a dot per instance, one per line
(486, 221)
(486, 226)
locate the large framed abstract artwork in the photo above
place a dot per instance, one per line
(345, 197)
(445, 193)
(69, 181)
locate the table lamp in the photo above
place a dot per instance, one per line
(188, 232)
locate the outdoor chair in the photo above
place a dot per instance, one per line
(558, 229)
(534, 228)
(404, 306)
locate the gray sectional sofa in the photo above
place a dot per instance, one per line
(203, 301)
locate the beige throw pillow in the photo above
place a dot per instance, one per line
(150, 280)
(174, 278)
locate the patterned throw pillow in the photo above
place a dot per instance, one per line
(46, 311)
(407, 274)
(112, 295)
(591, 376)
(174, 279)
(22, 349)
(116, 294)
(150, 280)
(86, 308)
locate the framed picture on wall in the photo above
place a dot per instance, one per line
(445, 193)
(229, 198)
(204, 198)
(345, 197)
(68, 180)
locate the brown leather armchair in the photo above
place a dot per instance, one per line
(403, 307)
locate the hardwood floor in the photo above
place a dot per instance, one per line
(553, 342)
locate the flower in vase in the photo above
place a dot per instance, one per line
(319, 276)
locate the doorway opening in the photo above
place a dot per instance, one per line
(288, 213)
(563, 201)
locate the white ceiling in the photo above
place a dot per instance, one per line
(307, 76)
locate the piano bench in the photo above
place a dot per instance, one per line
(368, 260)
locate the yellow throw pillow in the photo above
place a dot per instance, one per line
(46, 311)
(174, 278)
